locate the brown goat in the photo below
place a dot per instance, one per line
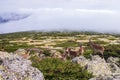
(81, 49)
(72, 53)
(96, 47)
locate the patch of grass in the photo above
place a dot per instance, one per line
(69, 43)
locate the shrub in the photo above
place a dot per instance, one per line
(56, 69)
(112, 50)
(46, 52)
(87, 53)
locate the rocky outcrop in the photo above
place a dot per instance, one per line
(101, 69)
(109, 77)
(15, 67)
(114, 64)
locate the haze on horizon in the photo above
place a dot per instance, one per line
(80, 15)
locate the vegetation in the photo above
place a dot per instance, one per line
(55, 69)
(69, 43)
(112, 50)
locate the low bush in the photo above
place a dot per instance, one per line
(112, 50)
(56, 69)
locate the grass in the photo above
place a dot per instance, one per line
(69, 43)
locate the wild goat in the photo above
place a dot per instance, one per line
(96, 48)
(65, 54)
(81, 49)
(72, 53)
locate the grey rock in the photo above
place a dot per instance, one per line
(101, 69)
(96, 65)
(15, 67)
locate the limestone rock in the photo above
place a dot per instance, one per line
(110, 77)
(15, 67)
(20, 51)
(81, 60)
(96, 65)
(101, 69)
(55, 54)
(113, 64)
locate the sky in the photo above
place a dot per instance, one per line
(79, 15)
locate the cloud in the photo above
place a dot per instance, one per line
(96, 11)
(67, 11)
(99, 15)
(32, 10)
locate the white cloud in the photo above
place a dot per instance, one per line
(41, 10)
(96, 11)
(68, 11)
(53, 14)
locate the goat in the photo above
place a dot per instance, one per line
(72, 53)
(81, 49)
(96, 47)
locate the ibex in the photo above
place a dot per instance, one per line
(72, 53)
(65, 54)
(81, 49)
(96, 47)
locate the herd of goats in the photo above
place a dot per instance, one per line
(68, 52)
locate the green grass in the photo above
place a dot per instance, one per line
(69, 43)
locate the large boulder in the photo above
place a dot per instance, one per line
(20, 51)
(96, 65)
(101, 69)
(109, 77)
(80, 60)
(55, 54)
(114, 64)
(15, 67)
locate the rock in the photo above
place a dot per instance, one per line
(55, 54)
(101, 69)
(23, 53)
(96, 65)
(110, 77)
(20, 51)
(80, 60)
(42, 56)
(113, 64)
(113, 60)
(15, 67)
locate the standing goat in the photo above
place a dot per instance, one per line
(96, 48)
(72, 53)
(81, 49)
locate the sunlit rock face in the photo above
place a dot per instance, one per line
(101, 69)
(15, 67)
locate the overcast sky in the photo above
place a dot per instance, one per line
(95, 15)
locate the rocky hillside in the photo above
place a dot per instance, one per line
(15, 67)
(101, 69)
